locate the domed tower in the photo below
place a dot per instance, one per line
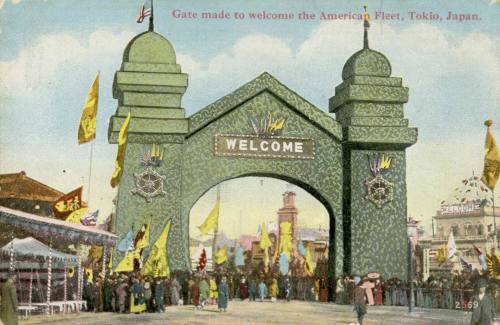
(149, 86)
(369, 105)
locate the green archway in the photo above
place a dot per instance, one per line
(355, 164)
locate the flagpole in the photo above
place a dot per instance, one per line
(90, 171)
(216, 229)
(494, 217)
(151, 25)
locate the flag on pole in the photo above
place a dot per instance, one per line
(86, 130)
(283, 261)
(265, 243)
(91, 219)
(239, 259)
(126, 243)
(67, 204)
(286, 238)
(308, 267)
(142, 238)
(442, 255)
(301, 248)
(144, 11)
(157, 261)
(127, 263)
(89, 273)
(212, 220)
(491, 170)
(451, 247)
(220, 256)
(120, 155)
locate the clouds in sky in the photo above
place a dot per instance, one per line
(454, 82)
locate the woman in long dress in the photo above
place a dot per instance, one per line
(213, 291)
(175, 287)
(137, 301)
(368, 286)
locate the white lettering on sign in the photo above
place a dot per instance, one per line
(265, 147)
(231, 143)
(460, 208)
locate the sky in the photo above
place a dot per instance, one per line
(50, 51)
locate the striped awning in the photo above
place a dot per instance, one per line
(56, 229)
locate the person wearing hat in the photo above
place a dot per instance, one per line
(359, 299)
(483, 306)
(8, 308)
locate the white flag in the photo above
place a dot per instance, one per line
(451, 247)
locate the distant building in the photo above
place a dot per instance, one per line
(468, 214)
(289, 213)
(23, 193)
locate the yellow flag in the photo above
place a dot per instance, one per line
(221, 255)
(144, 241)
(157, 262)
(212, 220)
(75, 216)
(120, 155)
(265, 243)
(110, 263)
(491, 170)
(286, 239)
(442, 255)
(308, 267)
(96, 252)
(127, 264)
(86, 130)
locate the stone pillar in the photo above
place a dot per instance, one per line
(369, 105)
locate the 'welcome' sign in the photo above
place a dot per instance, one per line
(264, 147)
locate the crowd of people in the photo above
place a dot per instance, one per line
(135, 293)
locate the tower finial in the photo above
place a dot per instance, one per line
(151, 25)
(366, 25)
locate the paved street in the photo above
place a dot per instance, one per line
(239, 312)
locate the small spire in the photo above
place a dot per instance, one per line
(366, 25)
(151, 25)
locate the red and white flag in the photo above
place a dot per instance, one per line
(145, 11)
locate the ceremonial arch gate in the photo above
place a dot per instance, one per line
(354, 164)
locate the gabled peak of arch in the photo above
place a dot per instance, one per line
(265, 82)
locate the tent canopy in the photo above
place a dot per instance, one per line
(31, 247)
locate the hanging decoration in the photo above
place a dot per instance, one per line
(379, 190)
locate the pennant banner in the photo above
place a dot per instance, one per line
(67, 204)
(212, 220)
(157, 262)
(120, 155)
(86, 130)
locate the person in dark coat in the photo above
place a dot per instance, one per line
(159, 291)
(483, 306)
(88, 294)
(253, 289)
(195, 294)
(359, 299)
(185, 291)
(8, 307)
(107, 294)
(223, 294)
(243, 289)
(97, 295)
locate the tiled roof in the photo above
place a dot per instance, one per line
(20, 186)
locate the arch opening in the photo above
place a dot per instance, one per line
(289, 209)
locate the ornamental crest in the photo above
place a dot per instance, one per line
(380, 191)
(149, 184)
